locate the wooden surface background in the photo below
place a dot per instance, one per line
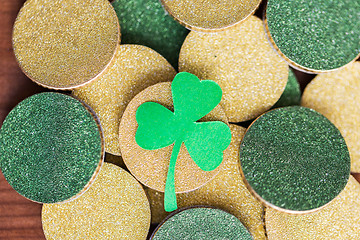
(19, 217)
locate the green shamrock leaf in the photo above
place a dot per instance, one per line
(205, 141)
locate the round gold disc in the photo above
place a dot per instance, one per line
(112, 91)
(336, 96)
(150, 167)
(63, 44)
(114, 207)
(226, 191)
(241, 60)
(338, 220)
(210, 15)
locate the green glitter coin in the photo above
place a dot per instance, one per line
(292, 94)
(145, 22)
(294, 159)
(316, 36)
(51, 148)
(202, 223)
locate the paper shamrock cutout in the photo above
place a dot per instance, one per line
(205, 141)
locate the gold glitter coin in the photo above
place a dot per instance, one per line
(112, 91)
(150, 167)
(63, 44)
(240, 59)
(336, 96)
(338, 220)
(226, 191)
(114, 207)
(210, 15)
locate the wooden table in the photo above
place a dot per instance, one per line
(19, 217)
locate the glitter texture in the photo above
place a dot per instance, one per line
(315, 35)
(201, 223)
(226, 191)
(240, 59)
(336, 96)
(294, 159)
(63, 44)
(146, 23)
(150, 166)
(339, 220)
(51, 148)
(210, 15)
(292, 94)
(115, 207)
(110, 93)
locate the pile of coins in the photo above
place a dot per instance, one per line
(286, 171)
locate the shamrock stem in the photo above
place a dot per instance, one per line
(170, 195)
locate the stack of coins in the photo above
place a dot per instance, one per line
(171, 170)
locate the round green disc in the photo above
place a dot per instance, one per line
(292, 94)
(51, 148)
(145, 22)
(294, 159)
(317, 35)
(201, 223)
